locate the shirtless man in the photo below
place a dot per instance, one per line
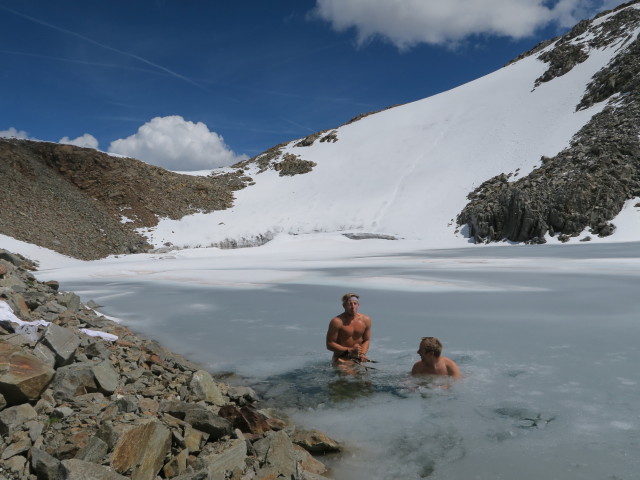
(349, 333)
(431, 362)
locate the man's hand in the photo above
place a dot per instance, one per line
(356, 353)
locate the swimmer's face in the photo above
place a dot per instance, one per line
(351, 306)
(424, 354)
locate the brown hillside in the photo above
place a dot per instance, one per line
(73, 200)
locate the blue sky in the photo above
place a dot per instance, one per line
(225, 79)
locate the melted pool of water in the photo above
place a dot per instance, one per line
(546, 340)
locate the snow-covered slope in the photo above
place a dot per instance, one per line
(407, 171)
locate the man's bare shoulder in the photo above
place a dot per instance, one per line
(366, 319)
(452, 368)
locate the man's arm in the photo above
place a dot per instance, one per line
(452, 369)
(366, 338)
(332, 337)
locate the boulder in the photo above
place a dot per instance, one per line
(45, 466)
(70, 300)
(315, 441)
(276, 450)
(45, 354)
(53, 285)
(19, 443)
(142, 448)
(307, 463)
(203, 387)
(247, 419)
(176, 465)
(193, 438)
(106, 377)
(75, 469)
(73, 380)
(226, 456)
(16, 464)
(94, 451)
(208, 422)
(242, 395)
(23, 376)
(62, 342)
(13, 417)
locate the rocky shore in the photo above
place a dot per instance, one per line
(83, 397)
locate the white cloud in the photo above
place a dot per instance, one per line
(176, 144)
(406, 23)
(13, 133)
(87, 140)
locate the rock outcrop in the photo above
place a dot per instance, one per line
(585, 185)
(83, 397)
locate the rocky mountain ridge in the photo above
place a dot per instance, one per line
(585, 185)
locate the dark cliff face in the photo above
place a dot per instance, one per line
(585, 185)
(87, 204)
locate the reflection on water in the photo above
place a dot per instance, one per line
(320, 385)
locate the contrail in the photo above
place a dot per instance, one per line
(106, 47)
(84, 62)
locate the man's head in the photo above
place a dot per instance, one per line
(430, 345)
(348, 296)
(351, 302)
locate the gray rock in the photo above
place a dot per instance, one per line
(13, 417)
(230, 455)
(203, 387)
(127, 404)
(17, 464)
(70, 300)
(51, 307)
(35, 429)
(62, 342)
(106, 377)
(277, 451)
(19, 443)
(238, 394)
(208, 422)
(72, 380)
(45, 354)
(199, 475)
(94, 349)
(306, 463)
(62, 412)
(94, 451)
(108, 434)
(75, 469)
(14, 259)
(45, 466)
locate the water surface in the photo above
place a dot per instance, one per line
(546, 339)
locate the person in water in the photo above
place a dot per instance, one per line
(432, 362)
(349, 333)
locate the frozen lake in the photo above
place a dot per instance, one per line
(546, 338)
